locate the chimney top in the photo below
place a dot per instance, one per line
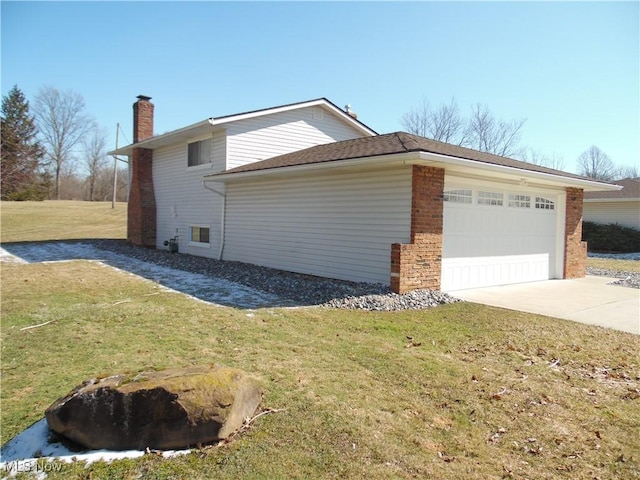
(143, 97)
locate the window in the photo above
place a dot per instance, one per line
(457, 196)
(490, 198)
(199, 235)
(199, 153)
(544, 203)
(519, 201)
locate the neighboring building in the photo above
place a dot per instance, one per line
(308, 188)
(621, 206)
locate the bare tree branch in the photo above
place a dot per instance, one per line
(62, 122)
(596, 164)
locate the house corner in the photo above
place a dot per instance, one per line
(575, 250)
(418, 265)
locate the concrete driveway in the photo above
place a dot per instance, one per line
(588, 300)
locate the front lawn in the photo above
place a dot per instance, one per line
(478, 392)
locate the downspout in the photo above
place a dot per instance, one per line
(222, 216)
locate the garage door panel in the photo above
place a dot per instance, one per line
(475, 272)
(486, 245)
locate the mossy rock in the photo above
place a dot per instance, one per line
(166, 409)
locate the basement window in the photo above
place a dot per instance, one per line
(544, 204)
(457, 196)
(199, 153)
(519, 201)
(490, 198)
(199, 236)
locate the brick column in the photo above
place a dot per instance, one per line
(141, 210)
(418, 265)
(575, 250)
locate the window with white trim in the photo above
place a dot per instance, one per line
(199, 235)
(490, 198)
(199, 153)
(545, 204)
(457, 196)
(519, 201)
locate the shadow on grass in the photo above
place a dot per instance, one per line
(231, 284)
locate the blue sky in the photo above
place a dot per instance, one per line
(571, 69)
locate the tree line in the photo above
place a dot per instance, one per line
(55, 150)
(481, 130)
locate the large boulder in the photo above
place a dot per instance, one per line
(167, 409)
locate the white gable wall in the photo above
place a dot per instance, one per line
(182, 201)
(338, 225)
(267, 136)
(625, 213)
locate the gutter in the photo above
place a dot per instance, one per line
(222, 216)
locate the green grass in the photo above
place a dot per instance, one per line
(614, 264)
(356, 400)
(61, 220)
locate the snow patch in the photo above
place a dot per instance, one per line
(31, 450)
(209, 289)
(618, 256)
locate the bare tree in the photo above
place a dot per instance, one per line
(596, 164)
(94, 157)
(481, 130)
(627, 171)
(488, 134)
(62, 122)
(531, 155)
(445, 124)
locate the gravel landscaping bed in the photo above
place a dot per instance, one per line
(624, 279)
(301, 289)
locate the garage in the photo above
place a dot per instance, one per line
(496, 235)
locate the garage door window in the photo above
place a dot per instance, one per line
(519, 201)
(544, 203)
(458, 196)
(490, 198)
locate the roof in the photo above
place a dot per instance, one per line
(630, 191)
(390, 144)
(208, 125)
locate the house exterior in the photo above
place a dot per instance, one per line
(308, 188)
(620, 206)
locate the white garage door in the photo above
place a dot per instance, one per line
(497, 237)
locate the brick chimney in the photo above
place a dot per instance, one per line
(141, 212)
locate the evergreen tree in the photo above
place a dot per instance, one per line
(20, 152)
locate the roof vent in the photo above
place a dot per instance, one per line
(351, 113)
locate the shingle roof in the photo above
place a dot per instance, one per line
(387, 144)
(630, 189)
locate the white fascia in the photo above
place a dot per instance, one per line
(498, 172)
(611, 200)
(205, 126)
(377, 161)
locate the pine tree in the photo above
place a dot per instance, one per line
(20, 152)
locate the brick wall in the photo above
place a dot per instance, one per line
(418, 264)
(575, 250)
(141, 211)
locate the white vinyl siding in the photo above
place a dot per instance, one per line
(182, 201)
(626, 213)
(338, 225)
(259, 138)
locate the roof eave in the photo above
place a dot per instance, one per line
(611, 200)
(378, 160)
(538, 177)
(200, 128)
(168, 138)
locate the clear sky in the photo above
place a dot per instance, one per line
(571, 69)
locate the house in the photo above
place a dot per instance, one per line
(308, 188)
(618, 206)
